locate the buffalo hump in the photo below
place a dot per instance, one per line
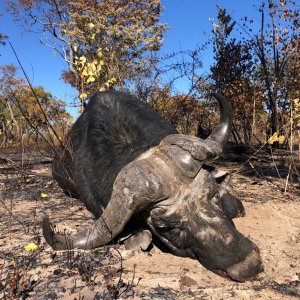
(114, 129)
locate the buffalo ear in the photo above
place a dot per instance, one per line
(232, 206)
(223, 179)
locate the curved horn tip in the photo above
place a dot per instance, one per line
(221, 99)
(47, 230)
(222, 131)
(56, 241)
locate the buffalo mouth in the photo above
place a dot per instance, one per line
(244, 270)
(234, 265)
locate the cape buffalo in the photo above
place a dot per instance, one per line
(125, 162)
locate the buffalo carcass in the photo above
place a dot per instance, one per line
(125, 162)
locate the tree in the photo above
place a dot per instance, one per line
(184, 112)
(275, 51)
(105, 43)
(21, 113)
(261, 68)
(2, 37)
(232, 75)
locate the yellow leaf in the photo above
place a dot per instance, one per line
(273, 138)
(84, 73)
(83, 96)
(75, 48)
(91, 25)
(31, 247)
(111, 82)
(92, 67)
(99, 52)
(90, 79)
(44, 195)
(281, 139)
(82, 59)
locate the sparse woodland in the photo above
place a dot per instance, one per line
(115, 45)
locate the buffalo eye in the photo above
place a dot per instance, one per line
(217, 200)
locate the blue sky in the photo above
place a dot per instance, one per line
(188, 22)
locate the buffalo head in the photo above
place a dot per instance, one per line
(185, 203)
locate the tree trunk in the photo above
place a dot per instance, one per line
(274, 122)
(253, 127)
(236, 135)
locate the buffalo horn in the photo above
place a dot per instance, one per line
(222, 131)
(213, 145)
(113, 220)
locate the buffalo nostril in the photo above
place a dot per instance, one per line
(222, 273)
(248, 268)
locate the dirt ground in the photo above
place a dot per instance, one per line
(272, 221)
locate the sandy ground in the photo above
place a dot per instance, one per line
(272, 221)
